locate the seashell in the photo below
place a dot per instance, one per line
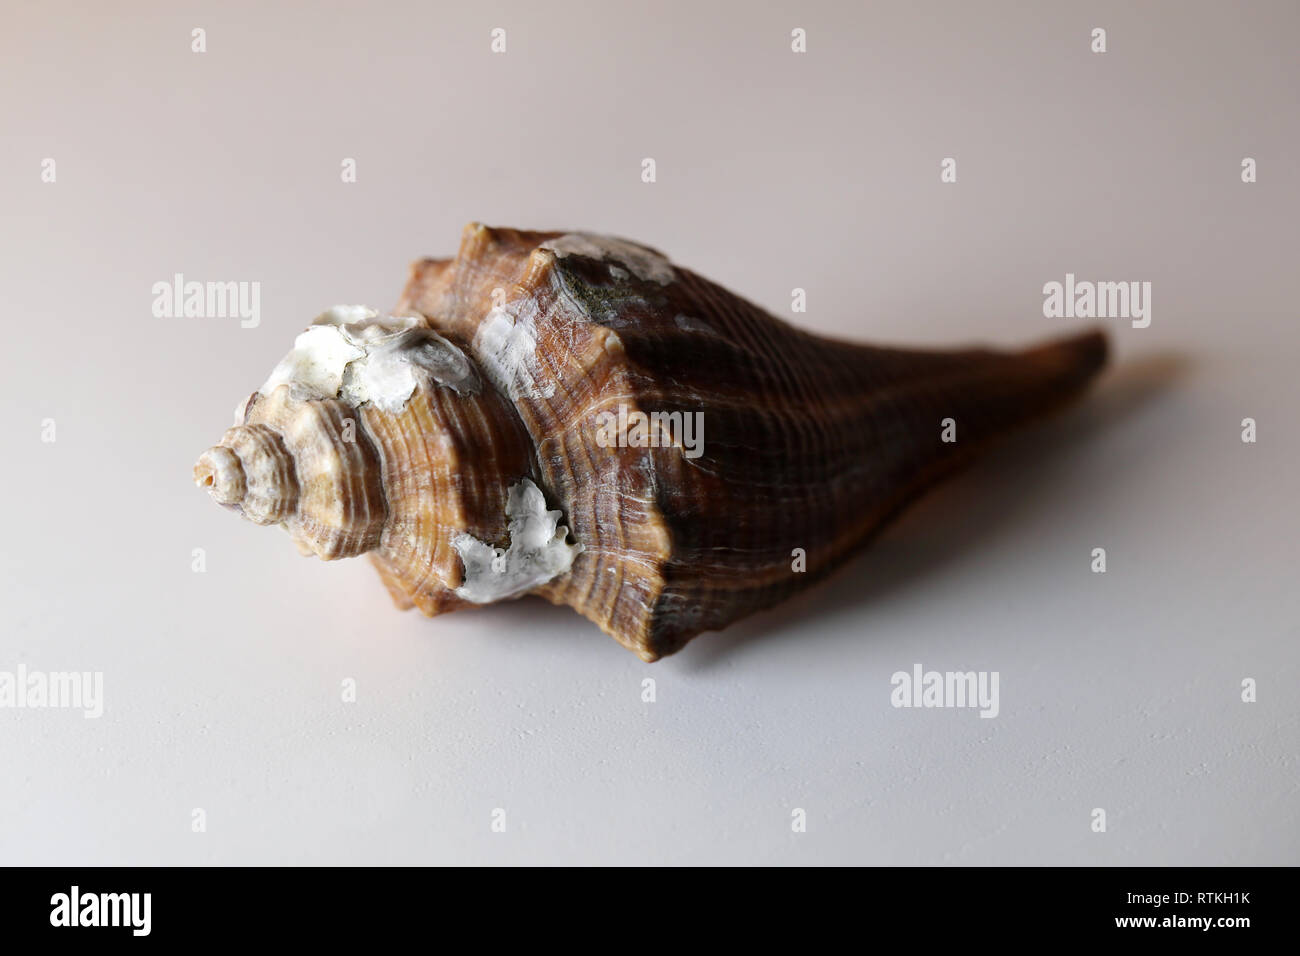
(574, 416)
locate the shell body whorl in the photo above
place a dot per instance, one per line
(566, 371)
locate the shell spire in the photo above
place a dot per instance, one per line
(574, 416)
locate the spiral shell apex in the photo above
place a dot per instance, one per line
(574, 416)
(251, 470)
(300, 464)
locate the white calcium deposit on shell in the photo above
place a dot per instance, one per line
(645, 264)
(507, 346)
(506, 341)
(537, 553)
(353, 353)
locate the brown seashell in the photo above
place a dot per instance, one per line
(573, 416)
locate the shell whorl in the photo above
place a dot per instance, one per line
(812, 444)
(304, 464)
(252, 470)
(376, 436)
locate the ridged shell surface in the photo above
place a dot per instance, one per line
(589, 422)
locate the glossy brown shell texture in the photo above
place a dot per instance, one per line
(807, 443)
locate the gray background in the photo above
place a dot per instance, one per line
(775, 170)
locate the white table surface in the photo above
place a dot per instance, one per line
(776, 170)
